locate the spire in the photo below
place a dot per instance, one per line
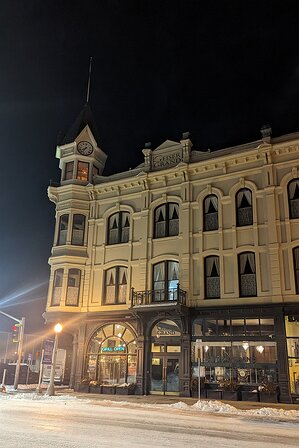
(89, 79)
(84, 118)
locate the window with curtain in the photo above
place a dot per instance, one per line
(212, 277)
(247, 274)
(210, 213)
(244, 207)
(119, 228)
(165, 281)
(82, 171)
(62, 232)
(73, 287)
(296, 267)
(116, 280)
(166, 218)
(57, 287)
(78, 230)
(293, 194)
(69, 170)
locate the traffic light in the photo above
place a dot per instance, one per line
(15, 332)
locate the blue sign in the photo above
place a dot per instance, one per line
(114, 349)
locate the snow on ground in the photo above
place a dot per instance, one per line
(212, 406)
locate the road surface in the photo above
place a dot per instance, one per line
(56, 423)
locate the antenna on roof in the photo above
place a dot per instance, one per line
(89, 77)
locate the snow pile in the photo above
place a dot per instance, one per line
(272, 412)
(41, 397)
(178, 405)
(213, 406)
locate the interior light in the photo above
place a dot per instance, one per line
(119, 335)
(206, 348)
(260, 348)
(245, 345)
(222, 348)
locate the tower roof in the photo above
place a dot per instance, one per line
(84, 118)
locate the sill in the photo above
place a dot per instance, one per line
(114, 304)
(116, 244)
(244, 297)
(244, 226)
(210, 231)
(165, 237)
(212, 298)
(72, 305)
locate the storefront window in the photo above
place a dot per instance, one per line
(292, 333)
(111, 355)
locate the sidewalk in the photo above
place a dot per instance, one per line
(170, 399)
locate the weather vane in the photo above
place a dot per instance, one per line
(89, 77)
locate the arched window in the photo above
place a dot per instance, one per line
(296, 267)
(244, 207)
(247, 274)
(212, 277)
(293, 194)
(73, 287)
(210, 213)
(112, 356)
(57, 287)
(166, 220)
(165, 281)
(78, 230)
(62, 232)
(116, 285)
(118, 228)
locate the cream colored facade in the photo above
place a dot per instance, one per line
(175, 173)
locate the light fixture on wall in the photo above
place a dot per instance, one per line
(260, 348)
(206, 348)
(245, 345)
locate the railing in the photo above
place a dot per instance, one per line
(158, 297)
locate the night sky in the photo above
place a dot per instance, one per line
(219, 69)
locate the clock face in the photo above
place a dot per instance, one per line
(85, 148)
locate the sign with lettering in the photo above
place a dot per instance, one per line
(48, 347)
(113, 349)
(166, 328)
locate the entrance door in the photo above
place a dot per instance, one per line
(165, 375)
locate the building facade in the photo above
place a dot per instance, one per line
(186, 265)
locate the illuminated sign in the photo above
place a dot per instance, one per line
(113, 349)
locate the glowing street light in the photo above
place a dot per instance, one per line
(51, 388)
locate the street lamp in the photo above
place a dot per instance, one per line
(51, 390)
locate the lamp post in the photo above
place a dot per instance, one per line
(51, 389)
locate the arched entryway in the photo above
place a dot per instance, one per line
(165, 358)
(111, 355)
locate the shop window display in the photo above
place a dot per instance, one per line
(292, 333)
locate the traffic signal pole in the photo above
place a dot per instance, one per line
(20, 346)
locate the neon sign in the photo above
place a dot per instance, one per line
(113, 349)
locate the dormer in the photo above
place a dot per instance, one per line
(80, 156)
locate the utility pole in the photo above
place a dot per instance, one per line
(21, 323)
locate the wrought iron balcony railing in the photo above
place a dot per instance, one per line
(158, 297)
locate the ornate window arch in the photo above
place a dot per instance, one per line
(244, 212)
(212, 277)
(210, 212)
(247, 274)
(118, 228)
(293, 197)
(166, 220)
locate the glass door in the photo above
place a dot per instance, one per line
(165, 375)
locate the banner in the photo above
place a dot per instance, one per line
(48, 347)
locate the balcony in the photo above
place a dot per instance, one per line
(161, 297)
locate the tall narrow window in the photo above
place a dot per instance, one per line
(244, 207)
(212, 277)
(247, 274)
(296, 268)
(63, 227)
(211, 212)
(166, 220)
(165, 281)
(293, 193)
(82, 171)
(69, 170)
(119, 228)
(73, 287)
(78, 230)
(57, 287)
(116, 285)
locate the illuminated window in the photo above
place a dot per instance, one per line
(165, 281)
(211, 213)
(247, 277)
(244, 207)
(118, 228)
(57, 287)
(212, 277)
(78, 230)
(69, 169)
(73, 287)
(293, 193)
(166, 220)
(116, 285)
(63, 227)
(82, 171)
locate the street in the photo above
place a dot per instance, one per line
(70, 423)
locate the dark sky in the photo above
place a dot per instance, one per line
(219, 69)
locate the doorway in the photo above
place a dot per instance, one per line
(165, 375)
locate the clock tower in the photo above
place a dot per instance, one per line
(81, 158)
